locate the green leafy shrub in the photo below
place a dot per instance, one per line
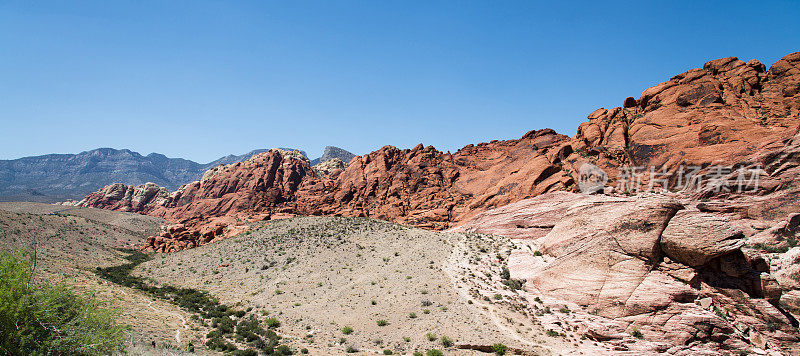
(43, 318)
(499, 349)
(434, 352)
(272, 323)
(347, 330)
(446, 341)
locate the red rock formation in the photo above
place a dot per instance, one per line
(719, 114)
(728, 112)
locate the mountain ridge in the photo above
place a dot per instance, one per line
(727, 112)
(62, 176)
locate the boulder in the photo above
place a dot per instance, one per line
(787, 269)
(694, 238)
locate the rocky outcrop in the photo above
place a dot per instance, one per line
(617, 258)
(719, 114)
(141, 198)
(328, 167)
(728, 112)
(422, 186)
(332, 152)
(427, 188)
(694, 238)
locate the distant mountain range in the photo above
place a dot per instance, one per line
(58, 177)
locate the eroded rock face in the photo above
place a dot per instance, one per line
(326, 168)
(678, 275)
(694, 238)
(604, 249)
(526, 219)
(728, 112)
(719, 114)
(788, 269)
(121, 197)
(422, 186)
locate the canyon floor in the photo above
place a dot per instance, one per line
(398, 288)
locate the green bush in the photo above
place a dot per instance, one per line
(446, 341)
(499, 349)
(42, 318)
(347, 330)
(434, 352)
(272, 323)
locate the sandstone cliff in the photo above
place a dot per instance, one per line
(728, 112)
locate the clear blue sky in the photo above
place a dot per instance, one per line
(201, 79)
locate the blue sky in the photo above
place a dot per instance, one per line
(201, 79)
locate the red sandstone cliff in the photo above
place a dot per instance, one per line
(728, 112)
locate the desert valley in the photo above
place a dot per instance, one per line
(668, 225)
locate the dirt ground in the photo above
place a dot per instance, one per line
(398, 288)
(336, 284)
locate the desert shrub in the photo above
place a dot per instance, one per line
(431, 336)
(207, 307)
(44, 318)
(272, 323)
(446, 341)
(636, 333)
(283, 350)
(769, 249)
(388, 352)
(382, 322)
(347, 330)
(220, 344)
(499, 349)
(417, 353)
(434, 352)
(304, 351)
(505, 273)
(552, 333)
